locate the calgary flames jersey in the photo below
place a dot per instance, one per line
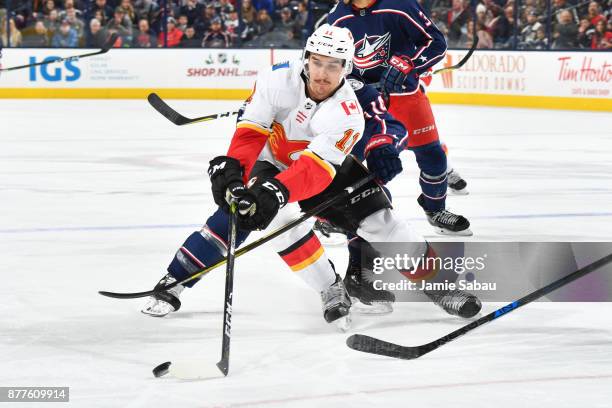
(304, 139)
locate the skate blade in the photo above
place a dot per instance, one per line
(333, 240)
(153, 313)
(373, 309)
(465, 233)
(461, 192)
(344, 323)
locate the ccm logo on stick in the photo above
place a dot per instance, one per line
(364, 194)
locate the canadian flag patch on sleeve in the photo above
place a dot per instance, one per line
(351, 107)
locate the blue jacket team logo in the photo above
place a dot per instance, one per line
(372, 51)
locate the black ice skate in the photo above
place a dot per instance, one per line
(456, 183)
(366, 299)
(445, 222)
(456, 302)
(163, 303)
(336, 304)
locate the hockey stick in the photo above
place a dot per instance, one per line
(281, 230)
(202, 370)
(223, 364)
(173, 116)
(107, 46)
(458, 65)
(372, 345)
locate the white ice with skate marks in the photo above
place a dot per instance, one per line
(99, 194)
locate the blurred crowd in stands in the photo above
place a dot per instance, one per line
(499, 24)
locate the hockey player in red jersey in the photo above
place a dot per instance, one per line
(292, 143)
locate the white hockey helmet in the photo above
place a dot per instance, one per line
(331, 41)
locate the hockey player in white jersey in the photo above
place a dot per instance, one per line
(292, 141)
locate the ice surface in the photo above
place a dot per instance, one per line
(98, 195)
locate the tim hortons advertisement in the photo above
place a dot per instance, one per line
(561, 74)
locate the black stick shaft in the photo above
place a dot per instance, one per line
(247, 248)
(526, 299)
(173, 116)
(223, 364)
(107, 46)
(372, 345)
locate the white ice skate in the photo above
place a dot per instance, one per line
(337, 305)
(163, 303)
(456, 184)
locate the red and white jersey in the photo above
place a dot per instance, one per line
(296, 128)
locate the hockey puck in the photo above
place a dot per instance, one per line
(162, 369)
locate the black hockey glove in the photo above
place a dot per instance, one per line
(382, 157)
(226, 178)
(260, 204)
(392, 80)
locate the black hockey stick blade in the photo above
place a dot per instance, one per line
(107, 46)
(249, 247)
(132, 295)
(173, 116)
(373, 345)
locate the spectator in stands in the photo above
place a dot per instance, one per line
(70, 8)
(105, 11)
(302, 19)
(144, 38)
(585, 33)
(559, 6)
(528, 33)
(38, 37)
(232, 25)
(174, 34)
(248, 12)
(97, 35)
(182, 23)
(602, 38)
(595, 15)
(14, 35)
(52, 23)
(216, 37)
(503, 28)
(224, 8)
(485, 40)
(75, 22)
(65, 37)
(48, 6)
(129, 10)
(264, 22)
(279, 5)
(192, 9)
(190, 39)
(438, 20)
(566, 32)
(122, 25)
(456, 18)
(288, 24)
(148, 10)
(541, 41)
(203, 23)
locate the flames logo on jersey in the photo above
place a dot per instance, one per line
(372, 51)
(283, 149)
